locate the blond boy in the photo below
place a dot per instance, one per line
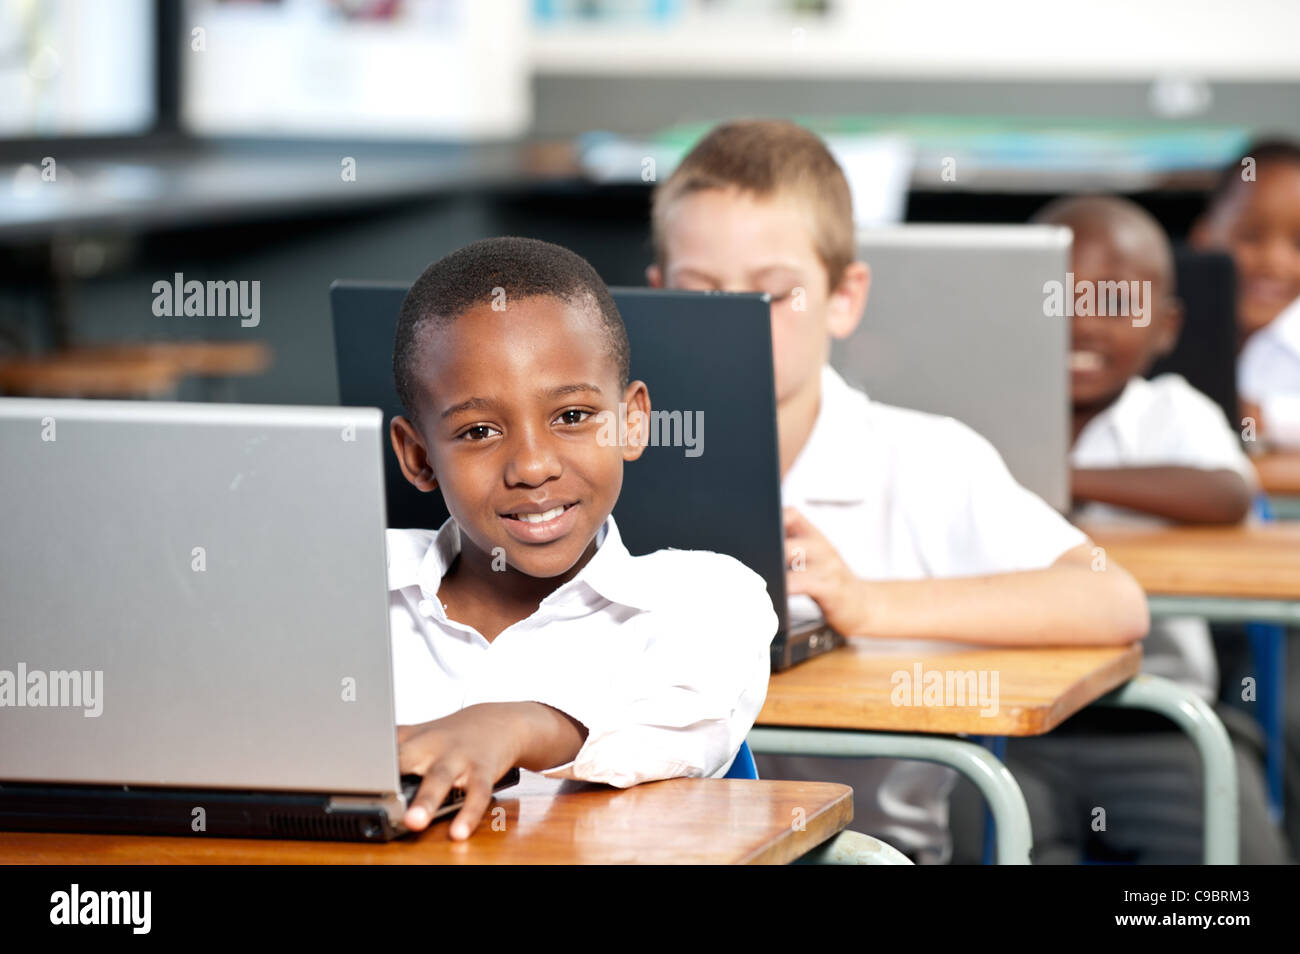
(905, 525)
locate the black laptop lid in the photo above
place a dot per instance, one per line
(1206, 350)
(703, 355)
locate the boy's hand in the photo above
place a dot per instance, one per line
(473, 748)
(815, 568)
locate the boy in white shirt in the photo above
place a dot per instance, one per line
(524, 634)
(904, 525)
(1268, 378)
(1144, 452)
(1254, 214)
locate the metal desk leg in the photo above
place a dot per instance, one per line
(1218, 766)
(1005, 800)
(997, 744)
(1268, 649)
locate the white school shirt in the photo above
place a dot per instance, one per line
(1268, 374)
(905, 495)
(1164, 422)
(663, 657)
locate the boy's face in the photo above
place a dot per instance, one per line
(1107, 351)
(1259, 224)
(728, 240)
(515, 426)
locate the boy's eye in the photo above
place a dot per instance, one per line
(477, 433)
(573, 415)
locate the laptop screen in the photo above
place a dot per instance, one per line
(712, 466)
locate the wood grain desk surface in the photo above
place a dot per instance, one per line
(1279, 473)
(875, 686)
(1247, 562)
(679, 821)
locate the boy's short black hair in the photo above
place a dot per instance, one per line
(481, 272)
(1270, 150)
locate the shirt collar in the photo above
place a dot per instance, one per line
(1122, 419)
(421, 558)
(835, 461)
(1286, 326)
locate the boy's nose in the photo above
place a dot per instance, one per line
(533, 460)
(1085, 332)
(1281, 257)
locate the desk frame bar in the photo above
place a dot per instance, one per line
(1285, 507)
(1226, 609)
(1218, 764)
(999, 788)
(1265, 621)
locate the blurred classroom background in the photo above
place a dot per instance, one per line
(295, 142)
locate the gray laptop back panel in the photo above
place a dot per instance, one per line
(223, 567)
(955, 325)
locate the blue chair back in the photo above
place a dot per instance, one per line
(743, 765)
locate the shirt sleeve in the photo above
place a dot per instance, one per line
(1268, 374)
(1281, 413)
(684, 704)
(1187, 429)
(970, 515)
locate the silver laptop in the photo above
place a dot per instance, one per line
(955, 324)
(194, 610)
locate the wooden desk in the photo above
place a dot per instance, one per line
(855, 687)
(679, 821)
(809, 707)
(202, 358)
(71, 376)
(1241, 574)
(1279, 473)
(1251, 572)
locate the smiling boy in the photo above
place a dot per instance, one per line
(524, 633)
(1156, 447)
(901, 525)
(1254, 214)
(1143, 452)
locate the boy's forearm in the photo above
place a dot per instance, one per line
(1184, 494)
(547, 736)
(1068, 603)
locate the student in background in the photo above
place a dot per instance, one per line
(524, 633)
(906, 525)
(1254, 214)
(1144, 452)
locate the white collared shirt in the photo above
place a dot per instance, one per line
(663, 657)
(1268, 374)
(905, 495)
(1164, 422)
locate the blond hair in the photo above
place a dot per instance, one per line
(765, 157)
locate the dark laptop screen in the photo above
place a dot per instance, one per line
(711, 483)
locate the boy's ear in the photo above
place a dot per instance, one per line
(1171, 326)
(1198, 237)
(1206, 233)
(654, 276)
(412, 455)
(637, 400)
(848, 300)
